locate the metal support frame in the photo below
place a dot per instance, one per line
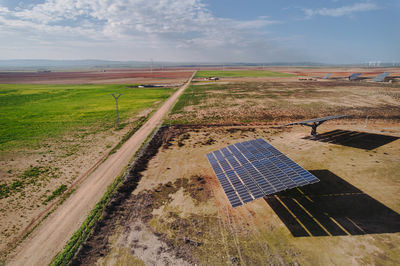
(314, 127)
(314, 123)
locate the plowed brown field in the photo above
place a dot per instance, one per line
(112, 76)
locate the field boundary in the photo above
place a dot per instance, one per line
(48, 239)
(84, 232)
(53, 206)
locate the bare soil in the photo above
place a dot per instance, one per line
(178, 210)
(352, 216)
(178, 214)
(67, 160)
(117, 76)
(285, 101)
(47, 240)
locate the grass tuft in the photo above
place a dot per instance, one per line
(60, 190)
(31, 176)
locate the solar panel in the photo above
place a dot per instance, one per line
(315, 120)
(354, 76)
(253, 169)
(327, 76)
(381, 77)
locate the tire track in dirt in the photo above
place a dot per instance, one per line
(52, 235)
(221, 225)
(234, 231)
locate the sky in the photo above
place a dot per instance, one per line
(251, 31)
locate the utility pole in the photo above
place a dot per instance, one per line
(116, 96)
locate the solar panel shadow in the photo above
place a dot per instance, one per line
(332, 207)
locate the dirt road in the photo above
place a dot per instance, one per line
(51, 236)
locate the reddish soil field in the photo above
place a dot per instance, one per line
(110, 76)
(341, 72)
(175, 75)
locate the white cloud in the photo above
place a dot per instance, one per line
(128, 17)
(341, 11)
(135, 27)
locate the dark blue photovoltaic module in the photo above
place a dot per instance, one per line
(327, 76)
(381, 77)
(316, 120)
(253, 169)
(354, 76)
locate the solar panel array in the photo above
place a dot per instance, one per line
(327, 76)
(314, 120)
(354, 76)
(253, 169)
(381, 77)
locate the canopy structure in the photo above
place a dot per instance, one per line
(327, 76)
(381, 77)
(355, 76)
(314, 123)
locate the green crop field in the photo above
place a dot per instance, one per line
(241, 74)
(31, 113)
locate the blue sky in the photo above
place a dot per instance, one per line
(326, 31)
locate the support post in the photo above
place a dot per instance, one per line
(314, 129)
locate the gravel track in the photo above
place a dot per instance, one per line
(53, 233)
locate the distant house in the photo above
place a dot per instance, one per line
(212, 78)
(149, 86)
